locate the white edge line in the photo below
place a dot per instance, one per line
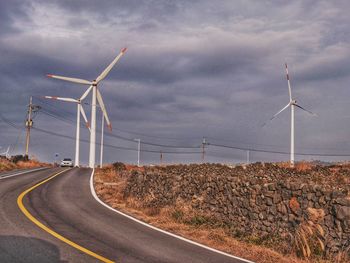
(23, 172)
(156, 228)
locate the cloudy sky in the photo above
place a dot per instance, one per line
(192, 69)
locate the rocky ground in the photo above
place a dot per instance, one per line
(269, 208)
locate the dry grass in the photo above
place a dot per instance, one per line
(301, 166)
(6, 165)
(304, 166)
(130, 167)
(31, 164)
(309, 240)
(183, 221)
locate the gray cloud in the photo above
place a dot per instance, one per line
(193, 69)
(10, 11)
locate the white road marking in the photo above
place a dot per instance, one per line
(22, 172)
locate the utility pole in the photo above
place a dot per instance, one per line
(138, 151)
(248, 156)
(203, 149)
(161, 157)
(29, 124)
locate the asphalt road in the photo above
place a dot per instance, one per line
(65, 205)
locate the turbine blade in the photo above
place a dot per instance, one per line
(108, 69)
(82, 111)
(62, 99)
(310, 112)
(86, 93)
(274, 116)
(5, 154)
(75, 80)
(103, 108)
(8, 153)
(288, 80)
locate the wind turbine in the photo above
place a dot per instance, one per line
(95, 95)
(80, 110)
(6, 154)
(292, 103)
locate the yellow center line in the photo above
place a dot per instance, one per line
(50, 231)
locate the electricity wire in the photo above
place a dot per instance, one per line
(183, 152)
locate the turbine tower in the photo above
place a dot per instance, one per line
(80, 110)
(96, 95)
(292, 104)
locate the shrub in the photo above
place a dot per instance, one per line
(119, 167)
(177, 215)
(17, 158)
(197, 220)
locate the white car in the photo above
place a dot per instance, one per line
(67, 162)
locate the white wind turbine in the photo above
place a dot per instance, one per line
(7, 153)
(292, 103)
(95, 95)
(80, 110)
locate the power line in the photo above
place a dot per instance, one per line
(264, 145)
(173, 146)
(70, 121)
(118, 129)
(114, 135)
(154, 136)
(277, 152)
(53, 106)
(112, 146)
(241, 142)
(57, 117)
(154, 144)
(9, 122)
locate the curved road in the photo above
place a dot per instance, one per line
(66, 205)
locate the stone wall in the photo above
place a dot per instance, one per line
(256, 200)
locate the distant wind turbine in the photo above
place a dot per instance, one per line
(95, 95)
(80, 110)
(292, 103)
(7, 153)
